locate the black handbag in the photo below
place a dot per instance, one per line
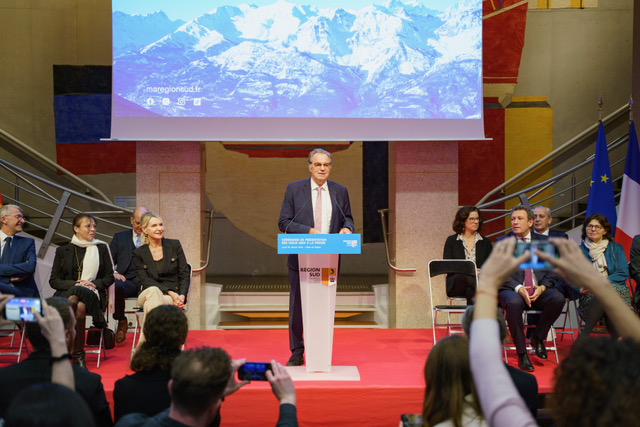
(109, 338)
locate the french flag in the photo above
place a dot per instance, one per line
(629, 210)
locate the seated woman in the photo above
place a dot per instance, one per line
(450, 398)
(467, 243)
(161, 268)
(82, 271)
(166, 331)
(610, 261)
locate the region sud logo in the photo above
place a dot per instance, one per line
(329, 276)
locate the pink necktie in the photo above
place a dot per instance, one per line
(528, 278)
(318, 213)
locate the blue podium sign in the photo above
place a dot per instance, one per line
(319, 243)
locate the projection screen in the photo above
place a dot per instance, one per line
(286, 70)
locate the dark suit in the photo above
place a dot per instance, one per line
(560, 234)
(22, 263)
(296, 216)
(174, 275)
(460, 285)
(37, 369)
(550, 302)
(634, 266)
(122, 248)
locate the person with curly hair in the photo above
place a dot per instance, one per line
(166, 330)
(450, 398)
(466, 243)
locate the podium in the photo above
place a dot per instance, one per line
(318, 258)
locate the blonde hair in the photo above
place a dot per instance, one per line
(144, 221)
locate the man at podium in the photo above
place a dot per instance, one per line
(313, 206)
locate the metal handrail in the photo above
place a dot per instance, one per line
(209, 238)
(590, 130)
(386, 244)
(27, 149)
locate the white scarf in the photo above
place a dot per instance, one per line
(91, 259)
(596, 253)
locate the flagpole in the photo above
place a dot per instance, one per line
(600, 109)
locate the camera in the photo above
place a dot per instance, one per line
(254, 371)
(534, 262)
(22, 309)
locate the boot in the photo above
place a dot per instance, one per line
(121, 331)
(78, 345)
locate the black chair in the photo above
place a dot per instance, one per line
(438, 267)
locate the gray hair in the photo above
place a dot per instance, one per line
(522, 207)
(320, 151)
(545, 208)
(4, 210)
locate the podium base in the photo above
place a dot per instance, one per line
(338, 373)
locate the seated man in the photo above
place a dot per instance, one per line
(37, 368)
(514, 296)
(17, 256)
(200, 379)
(127, 283)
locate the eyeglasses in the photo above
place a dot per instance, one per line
(89, 227)
(476, 219)
(594, 227)
(319, 165)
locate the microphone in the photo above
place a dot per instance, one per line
(338, 205)
(297, 213)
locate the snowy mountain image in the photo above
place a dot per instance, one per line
(394, 60)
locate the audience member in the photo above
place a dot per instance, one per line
(17, 255)
(166, 330)
(634, 267)
(48, 405)
(529, 289)
(200, 379)
(82, 271)
(127, 283)
(610, 261)
(542, 220)
(37, 368)
(466, 243)
(450, 398)
(161, 268)
(596, 399)
(526, 383)
(328, 212)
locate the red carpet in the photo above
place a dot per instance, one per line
(390, 362)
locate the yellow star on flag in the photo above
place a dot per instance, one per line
(604, 178)
(591, 183)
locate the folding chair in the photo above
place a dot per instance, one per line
(11, 329)
(552, 332)
(100, 349)
(566, 312)
(140, 312)
(439, 267)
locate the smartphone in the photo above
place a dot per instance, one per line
(534, 262)
(254, 371)
(411, 420)
(22, 309)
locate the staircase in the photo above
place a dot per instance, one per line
(252, 302)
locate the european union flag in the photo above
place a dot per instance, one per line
(601, 200)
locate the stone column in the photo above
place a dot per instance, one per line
(170, 181)
(423, 199)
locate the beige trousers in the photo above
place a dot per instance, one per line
(149, 299)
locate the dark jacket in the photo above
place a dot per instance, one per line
(174, 275)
